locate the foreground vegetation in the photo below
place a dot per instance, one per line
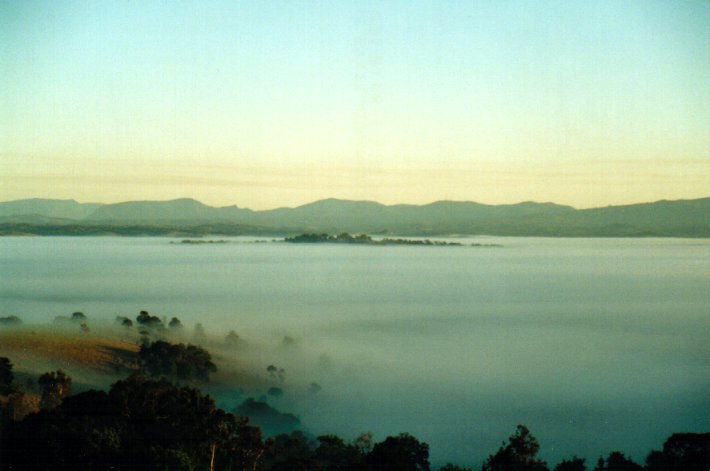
(143, 423)
(156, 416)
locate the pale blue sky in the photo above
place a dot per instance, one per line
(265, 104)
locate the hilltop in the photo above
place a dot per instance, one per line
(189, 217)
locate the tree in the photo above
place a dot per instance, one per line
(270, 419)
(275, 372)
(572, 464)
(20, 404)
(453, 467)
(682, 452)
(616, 461)
(199, 333)
(54, 386)
(150, 322)
(334, 454)
(176, 360)
(139, 422)
(175, 324)
(10, 321)
(363, 443)
(518, 455)
(290, 452)
(181, 418)
(78, 317)
(7, 377)
(400, 453)
(232, 339)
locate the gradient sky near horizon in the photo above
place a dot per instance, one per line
(279, 103)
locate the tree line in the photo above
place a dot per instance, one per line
(151, 423)
(157, 419)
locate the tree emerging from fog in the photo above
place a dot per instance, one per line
(177, 361)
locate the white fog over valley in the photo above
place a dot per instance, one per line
(594, 344)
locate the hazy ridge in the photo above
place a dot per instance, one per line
(681, 218)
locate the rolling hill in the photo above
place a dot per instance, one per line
(682, 218)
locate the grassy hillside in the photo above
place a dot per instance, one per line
(92, 360)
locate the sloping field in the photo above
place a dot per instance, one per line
(32, 350)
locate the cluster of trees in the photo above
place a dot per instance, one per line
(152, 423)
(266, 417)
(388, 241)
(55, 386)
(78, 318)
(343, 238)
(152, 328)
(151, 322)
(7, 377)
(138, 424)
(15, 403)
(142, 423)
(346, 238)
(10, 321)
(176, 361)
(147, 424)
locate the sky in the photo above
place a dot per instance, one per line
(265, 104)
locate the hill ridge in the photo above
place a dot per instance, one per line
(663, 218)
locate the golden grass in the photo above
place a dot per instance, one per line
(67, 349)
(98, 358)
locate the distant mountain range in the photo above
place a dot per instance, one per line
(682, 218)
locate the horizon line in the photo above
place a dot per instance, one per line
(353, 201)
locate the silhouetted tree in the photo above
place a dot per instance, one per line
(7, 377)
(150, 322)
(682, 452)
(10, 321)
(175, 324)
(275, 372)
(453, 467)
(139, 424)
(289, 452)
(20, 404)
(572, 464)
(182, 418)
(268, 418)
(198, 333)
(334, 454)
(176, 360)
(518, 455)
(363, 443)
(54, 386)
(231, 339)
(78, 317)
(401, 453)
(616, 461)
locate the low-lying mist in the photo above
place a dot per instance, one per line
(595, 345)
